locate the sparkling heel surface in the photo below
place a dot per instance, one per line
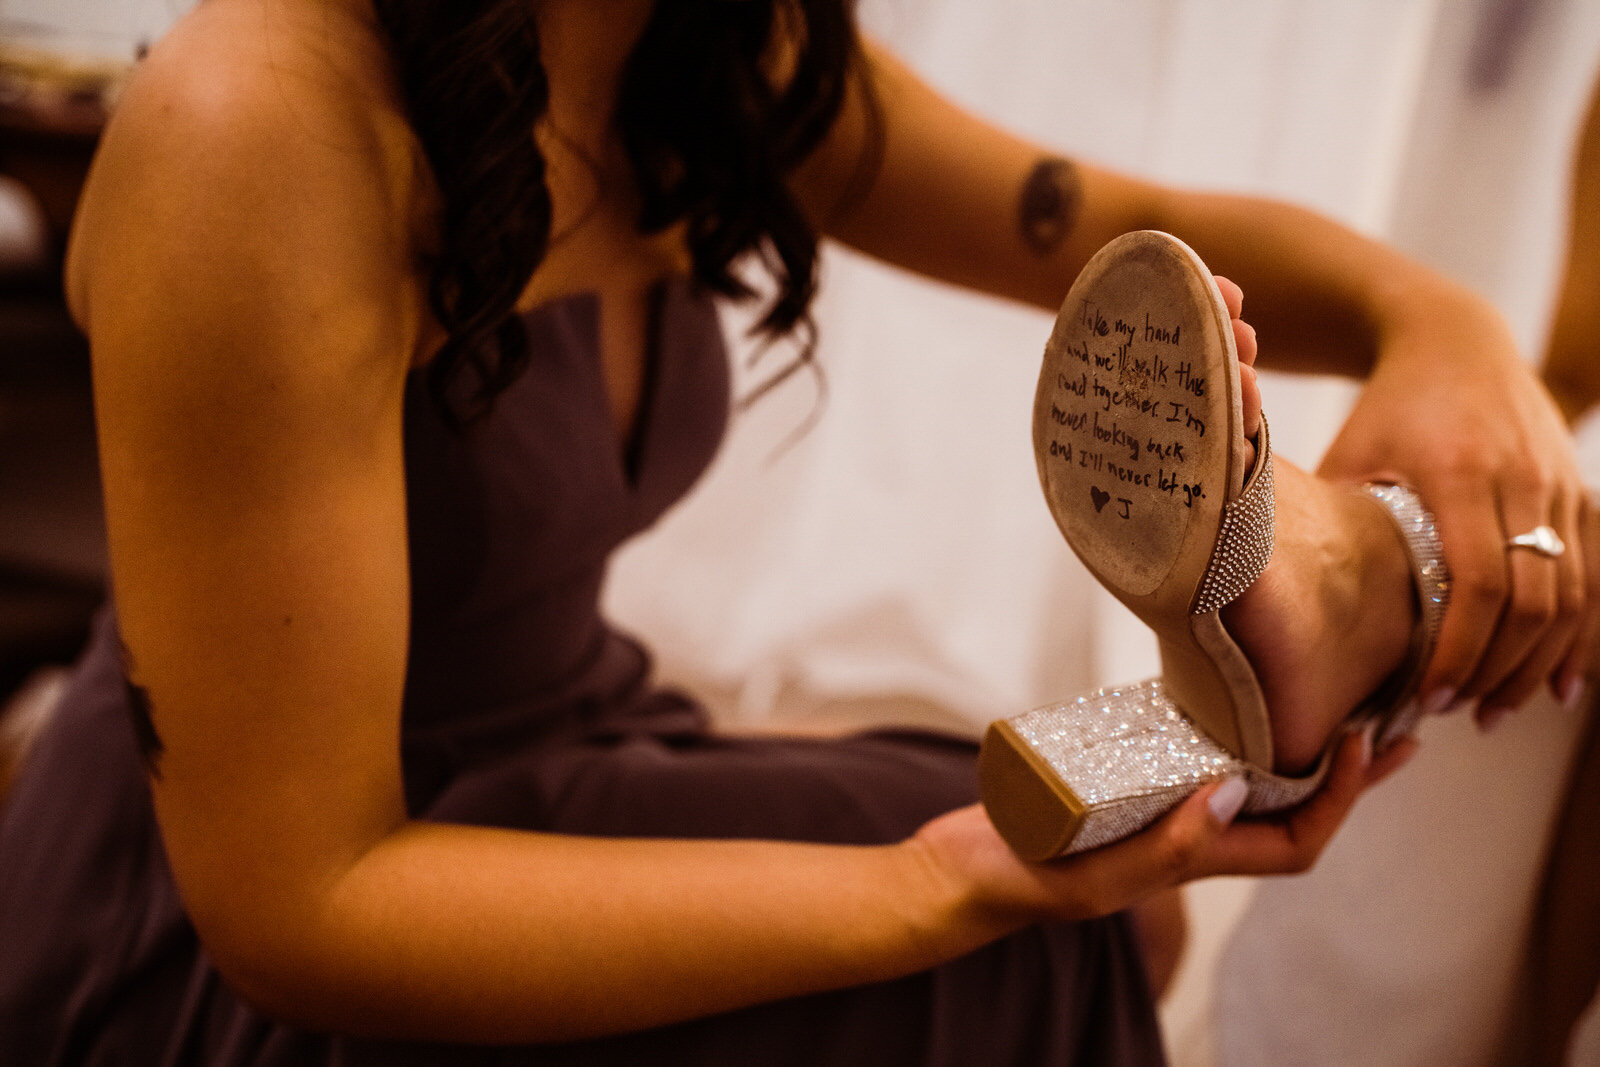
(1126, 755)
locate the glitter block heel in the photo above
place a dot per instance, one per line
(1074, 776)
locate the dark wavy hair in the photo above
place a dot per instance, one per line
(710, 138)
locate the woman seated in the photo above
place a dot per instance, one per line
(401, 316)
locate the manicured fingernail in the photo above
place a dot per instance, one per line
(1228, 799)
(1489, 718)
(1572, 692)
(1438, 700)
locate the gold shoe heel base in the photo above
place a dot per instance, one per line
(1036, 813)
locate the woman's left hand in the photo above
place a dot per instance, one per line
(1452, 410)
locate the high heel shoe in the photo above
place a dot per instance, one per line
(1138, 435)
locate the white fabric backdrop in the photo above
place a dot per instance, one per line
(1415, 914)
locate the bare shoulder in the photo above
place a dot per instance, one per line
(258, 147)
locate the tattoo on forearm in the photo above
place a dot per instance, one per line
(1049, 204)
(144, 727)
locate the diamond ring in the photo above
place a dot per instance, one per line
(1541, 539)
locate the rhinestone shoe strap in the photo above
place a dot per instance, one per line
(1394, 705)
(1244, 543)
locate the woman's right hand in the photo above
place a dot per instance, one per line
(1192, 841)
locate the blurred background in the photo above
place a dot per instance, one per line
(879, 551)
(61, 64)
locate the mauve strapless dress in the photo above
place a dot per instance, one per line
(523, 708)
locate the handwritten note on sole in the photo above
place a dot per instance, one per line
(1132, 415)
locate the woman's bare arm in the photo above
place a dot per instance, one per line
(243, 268)
(962, 200)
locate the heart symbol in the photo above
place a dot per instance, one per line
(1098, 496)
